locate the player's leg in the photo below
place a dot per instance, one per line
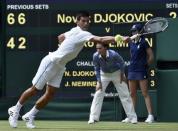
(14, 110)
(48, 96)
(38, 81)
(52, 86)
(144, 88)
(41, 103)
(97, 103)
(125, 98)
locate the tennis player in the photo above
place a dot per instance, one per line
(52, 67)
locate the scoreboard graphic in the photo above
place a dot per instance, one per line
(31, 29)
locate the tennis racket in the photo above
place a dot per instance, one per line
(155, 25)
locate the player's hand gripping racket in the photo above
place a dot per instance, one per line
(155, 25)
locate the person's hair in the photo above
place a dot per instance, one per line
(104, 45)
(82, 14)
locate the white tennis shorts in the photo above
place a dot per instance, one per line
(48, 73)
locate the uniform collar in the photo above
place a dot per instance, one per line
(107, 54)
(78, 27)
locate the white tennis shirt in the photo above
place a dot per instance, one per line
(71, 46)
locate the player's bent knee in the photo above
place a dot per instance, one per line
(33, 90)
(49, 96)
(50, 91)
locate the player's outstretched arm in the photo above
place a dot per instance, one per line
(108, 39)
(104, 39)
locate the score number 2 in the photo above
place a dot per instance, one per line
(21, 40)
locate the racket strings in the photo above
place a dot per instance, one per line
(156, 25)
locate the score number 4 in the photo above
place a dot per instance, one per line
(21, 41)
